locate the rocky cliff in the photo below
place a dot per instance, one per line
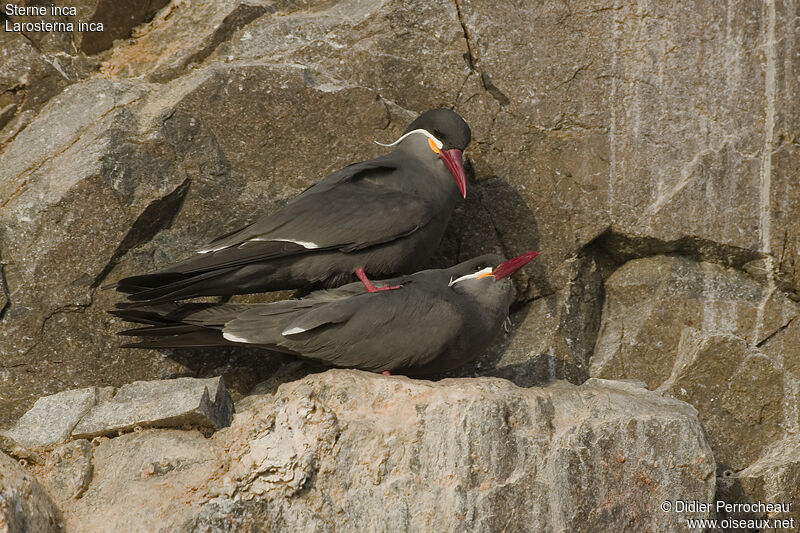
(648, 150)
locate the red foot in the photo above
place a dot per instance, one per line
(368, 284)
(386, 373)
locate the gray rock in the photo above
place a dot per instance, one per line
(143, 481)
(782, 348)
(351, 451)
(169, 403)
(588, 136)
(604, 133)
(179, 37)
(649, 302)
(118, 20)
(640, 118)
(135, 203)
(24, 505)
(34, 67)
(773, 478)
(92, 412)
(53, 418)
(60, 196)
(27, 81)
(737, 391)
(713, 337)
(68, 470)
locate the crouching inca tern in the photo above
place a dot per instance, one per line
(438, 320)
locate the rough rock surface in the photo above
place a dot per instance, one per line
(24, 504)
(94, 412)
(738, 392)
(600, 130)
(650, 301)
(35, 66)
(52, 418)
(352, 451)
(648, 150)
(68, 470)
(774, 478)
(168, 403)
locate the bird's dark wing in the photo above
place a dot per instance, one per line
(378, 331)
(347, 215)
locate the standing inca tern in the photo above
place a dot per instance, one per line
(438, 320)
(380, 217)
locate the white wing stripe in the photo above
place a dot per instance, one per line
(206, 250)
(308, 245)
(233, 338)
(305, 244)
(292, 331)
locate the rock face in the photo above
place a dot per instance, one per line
(648, 150)
(24, 504)
(739, 393)
(774, 478)
(602, 134)
(584, 149)
(650, 301)
(351, 451)
(718, 339)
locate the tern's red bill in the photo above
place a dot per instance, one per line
(453, 162)
(507, 268)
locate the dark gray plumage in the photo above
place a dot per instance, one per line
(438, 320)
(386, 215)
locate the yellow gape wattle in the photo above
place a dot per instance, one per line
(433, 145)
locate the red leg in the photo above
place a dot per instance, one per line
(368, 284)
(386, 373)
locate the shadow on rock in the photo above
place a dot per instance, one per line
(531, 370)
(246, 370)
(493, 218)
(730, 490)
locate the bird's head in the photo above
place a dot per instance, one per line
(481, 268)
(486, 279)
(443, 134)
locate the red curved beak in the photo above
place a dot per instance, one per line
(512, 265)
(453, 162)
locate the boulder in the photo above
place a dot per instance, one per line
(715, 337)
(169, 403)
(347, 450)
(95, 412)
(52, 418)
